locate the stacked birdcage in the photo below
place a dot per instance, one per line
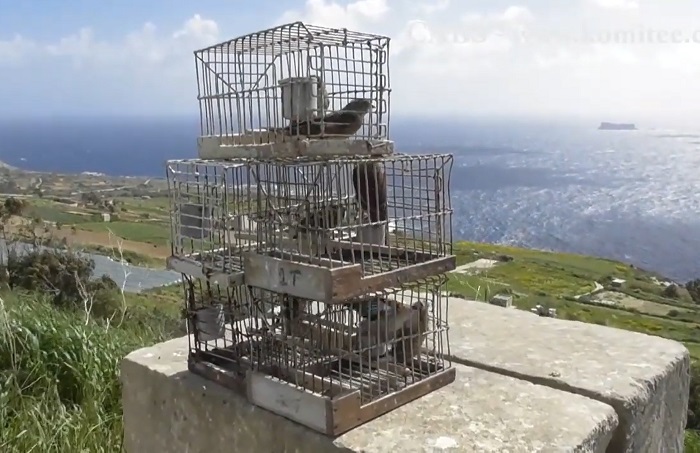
(313, 255)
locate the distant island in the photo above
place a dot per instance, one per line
(617, 127)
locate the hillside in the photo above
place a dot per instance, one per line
(582, 288)
(578, 287)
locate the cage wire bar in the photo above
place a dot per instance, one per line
(344, 225)
(284, 83)
(351, 354)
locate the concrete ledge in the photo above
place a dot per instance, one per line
(645, 378)
(167, 408)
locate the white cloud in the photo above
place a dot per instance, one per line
(15, 49)
(617, 4)
(331, 14)
(198, 30)
(143, 45)
(445, 57)
(432, 6)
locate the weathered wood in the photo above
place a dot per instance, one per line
(324, 406)
(266, 145)
(331, 285)
(411, 256)
(197, 270)
(308, 281)
(342, 412)
(412, 273)
(290, 402)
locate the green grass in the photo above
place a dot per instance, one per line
(155, 205)
(59, 376)
(151, 233)
(552, 279)
(56, 214)
(545, 273)
(59, 387)
(692, 441)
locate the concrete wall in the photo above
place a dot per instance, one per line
(524, 384)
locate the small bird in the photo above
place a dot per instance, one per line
(292, 309)
(370, 308)
(413, 334)
(326, 217)
(341, 123)
(310, 228)
(387, 325)
(369, 181)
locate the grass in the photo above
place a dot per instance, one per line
(547, 273)
(155, 205)
(57, 215)
(49, 398)
(59, 382)
(150, 233)
(692, 441)
(552, 279)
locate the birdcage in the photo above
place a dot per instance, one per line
(211, 207)
(323, 229)
(293, 90)
(339, 362)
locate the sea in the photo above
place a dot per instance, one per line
(547, 184)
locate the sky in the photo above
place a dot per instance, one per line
(619, 60)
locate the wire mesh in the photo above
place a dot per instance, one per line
(250, 91)
(210, 207)
(377, 344)
(383, 213)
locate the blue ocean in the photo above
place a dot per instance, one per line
(565, 186)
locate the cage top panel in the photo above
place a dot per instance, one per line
(293, 37)
(310, 160)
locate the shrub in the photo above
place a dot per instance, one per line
(672, 292)
(693, 288)
(64, 276)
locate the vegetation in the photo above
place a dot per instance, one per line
(64, 330)
(645, 303)
(62, 336)
(134, 231)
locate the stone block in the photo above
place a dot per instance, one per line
(167, 408)
(645, 378)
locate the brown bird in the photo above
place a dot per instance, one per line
(369, 181)
(342, 123)
(292, 309)
(388, 324)
(310, 230)
(326, 217)
(413, 334)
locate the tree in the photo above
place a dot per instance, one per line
(694, 400)
(12, 207)
(672, 292)
(63, 274)
(91, 198)
(693, 288)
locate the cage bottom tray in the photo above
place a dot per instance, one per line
(218, 267)
(343, 275)
(266, 145)
(325, 404)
